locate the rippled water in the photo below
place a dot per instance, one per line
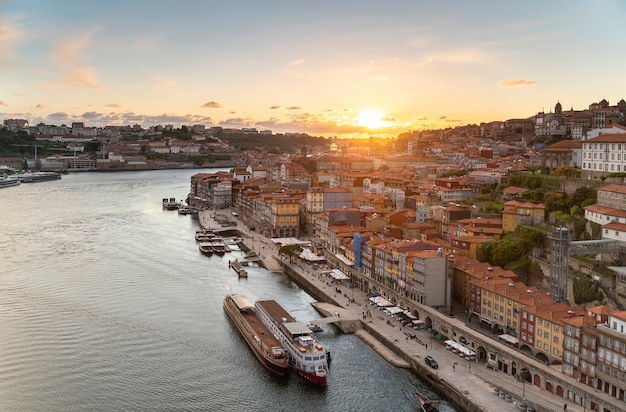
(106, 304)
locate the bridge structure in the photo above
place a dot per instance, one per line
(562, 248)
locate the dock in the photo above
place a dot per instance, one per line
(238, 268)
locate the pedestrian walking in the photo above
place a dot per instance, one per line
(453, 367)
(565, 408)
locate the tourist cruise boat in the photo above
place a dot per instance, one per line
(306, 355)
(267, 349)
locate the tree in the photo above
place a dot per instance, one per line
(533, 168)
(505, 251)
(567, 171)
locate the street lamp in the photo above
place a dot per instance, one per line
(523, 371)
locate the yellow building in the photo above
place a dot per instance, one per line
(284, 216)
(521, 213)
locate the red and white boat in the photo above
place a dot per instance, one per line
(306, 355)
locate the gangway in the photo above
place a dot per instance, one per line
(326, 320)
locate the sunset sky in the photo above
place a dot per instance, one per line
(328, 68)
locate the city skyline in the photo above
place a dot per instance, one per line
(345, 69)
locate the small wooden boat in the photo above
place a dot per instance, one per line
(206, 248)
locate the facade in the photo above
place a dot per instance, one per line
(611, 356)
(563, 153)
(521, 213)
(604, 154)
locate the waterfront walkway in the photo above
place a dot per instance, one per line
(474, 380)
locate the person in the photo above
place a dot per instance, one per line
(453, 367)
(565, 408)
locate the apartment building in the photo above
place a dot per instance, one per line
(521, 213)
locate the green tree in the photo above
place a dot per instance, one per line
(566, 171)
(505, 251)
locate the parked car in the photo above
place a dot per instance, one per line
(430, 361)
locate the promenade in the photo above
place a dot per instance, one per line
(476, 382)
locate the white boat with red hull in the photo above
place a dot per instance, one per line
(306, 355)
(267, 349)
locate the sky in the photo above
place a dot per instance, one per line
(341, 68)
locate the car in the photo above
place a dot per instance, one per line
(430, 361)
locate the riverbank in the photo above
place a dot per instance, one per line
(469, 385)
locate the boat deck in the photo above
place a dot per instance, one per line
(275, 311)
(260, 330)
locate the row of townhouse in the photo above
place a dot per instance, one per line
(594, 350)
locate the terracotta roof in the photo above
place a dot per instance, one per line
(613, 188)
(609, 138)
(605, 210)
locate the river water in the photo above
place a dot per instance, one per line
(106, 304)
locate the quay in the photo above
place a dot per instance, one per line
(470, 385)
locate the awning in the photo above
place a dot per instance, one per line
(338, 275)
(307, 254)
(381, 302)
(344, 259)
(459, 347)
(510, 339)
(393, 310)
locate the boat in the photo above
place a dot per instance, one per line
(170, 204)
(218, 246)
(306, 354)
(9, 181)
(206, 248)
(204, 235)
(238, 267)
(34, 177)
(267, 349)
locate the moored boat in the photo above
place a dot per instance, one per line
(204, 235)
(306, 354)
(206, 248)
(9, 181)
(34, 177)
(219, 248)
(170, 204)
(267, 349)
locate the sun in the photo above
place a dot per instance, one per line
(370, 119)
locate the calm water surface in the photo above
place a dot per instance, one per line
(106, 304)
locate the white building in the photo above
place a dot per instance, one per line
(604, 154)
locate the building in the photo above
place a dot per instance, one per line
(603, 155)
(521, 213)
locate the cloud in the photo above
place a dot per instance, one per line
(114, 105)
(83, 77)
(274, 107)
(516, 82)
(41, 106)
(211, 105)
(69, 55)
(10, 35)
(389, 119)
(69, 51)
(3, 103)
(294, 108)
(298, 62)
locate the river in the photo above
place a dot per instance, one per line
(106, 304)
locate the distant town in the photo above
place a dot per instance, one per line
(516, 226)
